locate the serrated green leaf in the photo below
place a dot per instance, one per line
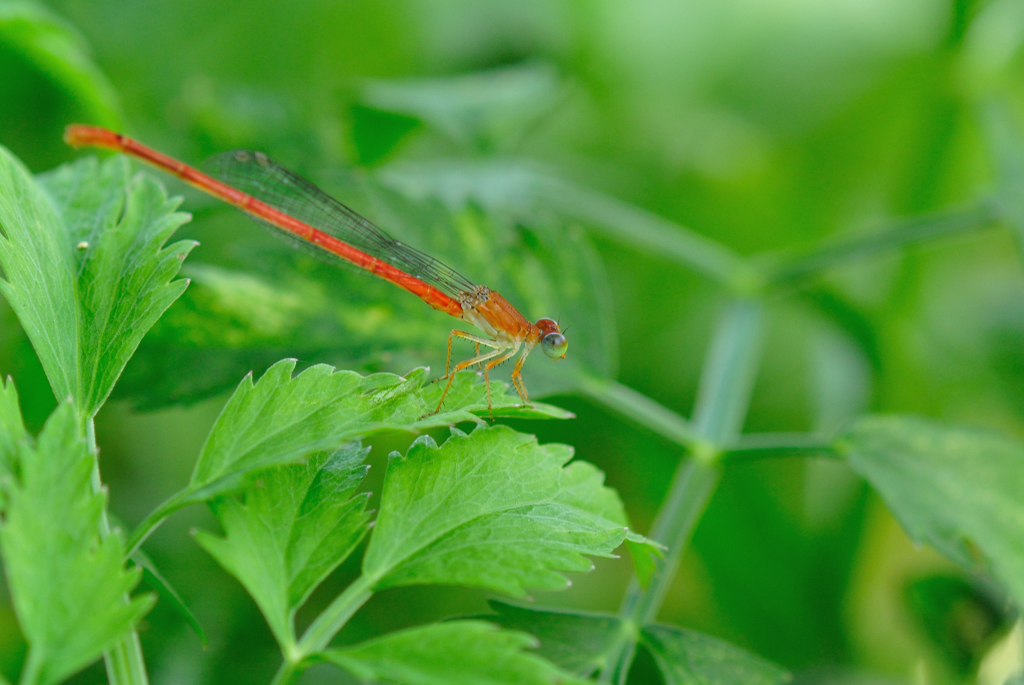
(491, 509)
(581, 643)
(61, 53)
(282, 419)
(38, 272)
(67, 582)
(959, 490)
(284, 536)
(86, 271)
(424, 656)
(686, 657)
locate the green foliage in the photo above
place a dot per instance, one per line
(286, 534)
(424, 656)
(1007, 149)
(232, 321)
(518, 187)
(689, 658)
(831, 139)
(492, 509)
(50, 77)
(12, 431)
(282, 420)
(484, 111)
(581, 643)
(586, 643)
(152, 577)
(68, 582)
(85, 268)
(59, 51)
(958, 490)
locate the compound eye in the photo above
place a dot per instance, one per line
(555, 345)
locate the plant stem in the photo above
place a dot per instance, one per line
(691, 489)
(773, 445)
(900, 234)
(651, 233)
(643, 410)
(153, 521)
(325, 627)
(722, 402)
(124, 661)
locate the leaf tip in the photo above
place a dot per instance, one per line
(423, 441)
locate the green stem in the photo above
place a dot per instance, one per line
(692, 486)
(902, 233)
(153, 521)
(773, 445)
(722, 402)
(643, 410)
(647, 231)
(319, 635)
(124, 661)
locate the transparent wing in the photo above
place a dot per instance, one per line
(256, 174)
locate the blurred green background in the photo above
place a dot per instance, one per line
(765, 126)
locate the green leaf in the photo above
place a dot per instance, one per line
(959, 490)
(12, 432)
(587, 643)
(581, 643)
(686, 657)
(86, 271)
(284, 536)
(61, 53)
(464, 652)
(491, 509)
(282, 420)
(483, 110)
(645, 555)
(68, 583)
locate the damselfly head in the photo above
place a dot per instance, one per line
(552, 341)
